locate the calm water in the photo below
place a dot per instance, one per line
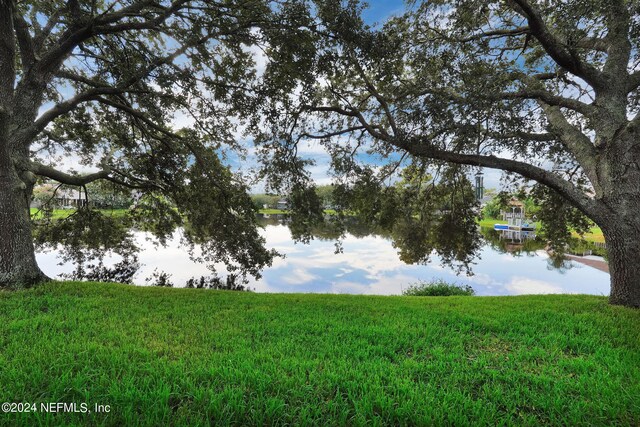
(370, 265)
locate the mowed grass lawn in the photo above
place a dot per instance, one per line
(64, 213)
(162, 356)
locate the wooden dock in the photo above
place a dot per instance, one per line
(595, 263)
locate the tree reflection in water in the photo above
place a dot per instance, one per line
(452, 241)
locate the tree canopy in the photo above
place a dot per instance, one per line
(545, 90)
(147, 95)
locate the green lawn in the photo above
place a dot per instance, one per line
(272, 211)
(63, 213)
(162, 356)
(280, 211)
(594, 235)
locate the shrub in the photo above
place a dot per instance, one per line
(437, 288)
(160, 278)
(232, 283)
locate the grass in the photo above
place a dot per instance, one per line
(281, 211)
(272, 211)
(192, 357)
(63, 213)
(594, 235)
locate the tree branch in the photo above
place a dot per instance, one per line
(575, 142)
(495, 34)
(69, 75)
(551, 180)
(25, 42)
(559, 51)
(593, 43)
(76, 34)
(82, 180)
(137, 114)
(91, 94)
(63, 108)
(422, 147)
(527, 136)
(41, 37)
(65, 178)
(332, 134)
(381, 100)
(618, 54)
(633, 82)
(551, 99)
(7, 57)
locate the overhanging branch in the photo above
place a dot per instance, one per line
(422, 147)
(551, 180)
(107, 174)
(495, 34)
(65, 178)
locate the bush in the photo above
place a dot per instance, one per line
(437, 288)
(160, 278)
(492, 209)
(232, 283)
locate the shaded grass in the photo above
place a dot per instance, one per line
(192, 357)
(64, 213)
(286, 212)
(272, 211)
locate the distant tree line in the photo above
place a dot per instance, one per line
(270, 201)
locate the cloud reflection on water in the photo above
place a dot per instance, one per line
(368, 265)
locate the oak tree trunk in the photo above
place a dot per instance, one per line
(623, 247)
(18, 267)
(621, 224)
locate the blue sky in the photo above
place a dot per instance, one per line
(380, 10)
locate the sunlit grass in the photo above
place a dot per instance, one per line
(194, 357)
(272, 211)
(594, 235)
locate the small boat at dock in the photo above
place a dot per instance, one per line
(515, 218)
(522, 227)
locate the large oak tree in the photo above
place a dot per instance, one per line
(547, 90)
(100, 82)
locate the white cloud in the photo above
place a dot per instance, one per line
(258, 55)
(298, 276)
(525, 285)
(481, 279)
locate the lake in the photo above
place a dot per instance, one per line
(369, 264)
